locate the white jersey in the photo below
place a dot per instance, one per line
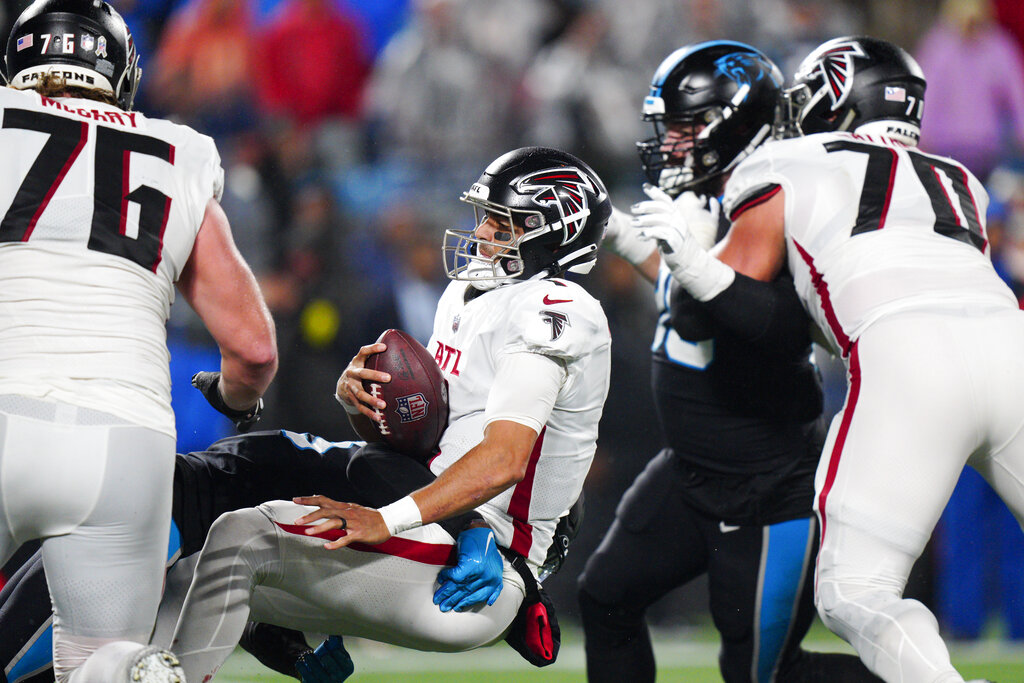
(555, 318)
(100, 209)
(874, 228)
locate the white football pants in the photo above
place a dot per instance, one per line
(97, 491)
(255, 562)
(928, 393)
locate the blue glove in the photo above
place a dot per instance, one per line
(476, 576)
(328, 663)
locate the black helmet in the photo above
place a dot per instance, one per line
(84, 41)
(731, 89)
(558, 201)
(856, 81)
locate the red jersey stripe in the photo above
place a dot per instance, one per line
(821, 287)
(519, 506)
(837, 448)
(760, 197)
(425, 553)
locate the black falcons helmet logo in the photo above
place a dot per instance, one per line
(558, 322)
(563, 188)
(836, 68)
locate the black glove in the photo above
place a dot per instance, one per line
(207, 383)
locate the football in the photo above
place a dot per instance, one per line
(416, 397)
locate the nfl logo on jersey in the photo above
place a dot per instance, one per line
(411, 408)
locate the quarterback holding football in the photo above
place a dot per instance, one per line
(525, 354)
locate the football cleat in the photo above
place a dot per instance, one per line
(153, 665)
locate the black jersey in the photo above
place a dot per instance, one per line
(731, 407)
(249, 469)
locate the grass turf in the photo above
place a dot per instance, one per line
(688, 654)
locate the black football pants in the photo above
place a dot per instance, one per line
(760, 580)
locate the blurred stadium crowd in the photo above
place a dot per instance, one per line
(349, 128)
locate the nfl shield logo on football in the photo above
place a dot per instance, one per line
(411, 408)
(87, 42)
(455, 323)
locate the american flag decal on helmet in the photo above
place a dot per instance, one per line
(563, 188)
(836, 67)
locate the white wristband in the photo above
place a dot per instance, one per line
(350, 409)
(401, 515)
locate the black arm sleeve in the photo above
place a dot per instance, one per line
(690, 318)
(766, 314)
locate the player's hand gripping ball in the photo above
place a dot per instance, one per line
(416, 397)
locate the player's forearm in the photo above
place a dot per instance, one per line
(489, 468)
(245, 378)
(222, 290)
(528, 385)
(767, 315)
(484, 472)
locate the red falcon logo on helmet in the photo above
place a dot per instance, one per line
(563, 188)
(835, 66)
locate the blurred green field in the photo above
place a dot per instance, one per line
(687, 654)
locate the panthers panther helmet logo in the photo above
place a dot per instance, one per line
(564, 188)
(746, 68)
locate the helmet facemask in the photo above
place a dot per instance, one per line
(127, 85)
(464, 259)
(676, 161)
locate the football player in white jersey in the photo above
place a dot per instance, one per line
(526, 356)
(731, 496)
(890, 257)
(104, 212)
